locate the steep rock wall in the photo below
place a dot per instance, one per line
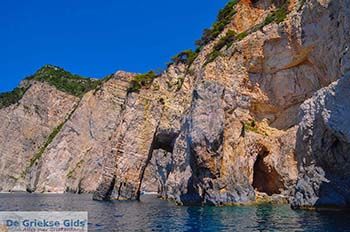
(73, 161)
(219, 156)
(323, 148)
(263, 79)
(25, 128)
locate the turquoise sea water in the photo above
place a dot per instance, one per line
(152, 214)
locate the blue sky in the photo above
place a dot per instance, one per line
(95, 38)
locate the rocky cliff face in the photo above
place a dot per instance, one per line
(218, 127)
(74, 159)
(323, 147)
(26, 127)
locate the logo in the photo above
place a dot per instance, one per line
(44, 221)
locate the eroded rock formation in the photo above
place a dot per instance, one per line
(25, 128)
(323, 149)
(220, 128)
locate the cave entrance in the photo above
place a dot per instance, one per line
(159, 163)
(157, 172)
(165, 140)
(265, 177)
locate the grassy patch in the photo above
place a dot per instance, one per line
(65, 81)
(142, 80)
(9, 98)
(253, 127)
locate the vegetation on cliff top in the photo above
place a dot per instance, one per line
(142, 80)
(277, 16)
(185, 57)
(223, 19)
(77, 85)
(9, 98)
(226, 40)
(65, 81)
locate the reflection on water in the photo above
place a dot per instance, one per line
(152, 214)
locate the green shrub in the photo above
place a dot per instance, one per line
(142, 80)
(9, 98)
(241, 35)
(252, 126)
(186, 57)
(277, 16)
(65, 81)
(226, 40)
(224, 17)
(212, 56)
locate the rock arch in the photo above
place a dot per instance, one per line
(265, 177)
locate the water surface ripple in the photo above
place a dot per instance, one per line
(152, 214)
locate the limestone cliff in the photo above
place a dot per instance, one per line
(26, 127)
(323, 147)
(219, 126)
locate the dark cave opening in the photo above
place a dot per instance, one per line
(265, 177)
(158, 164)
(165, 140)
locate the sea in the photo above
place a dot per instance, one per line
(154, 214)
